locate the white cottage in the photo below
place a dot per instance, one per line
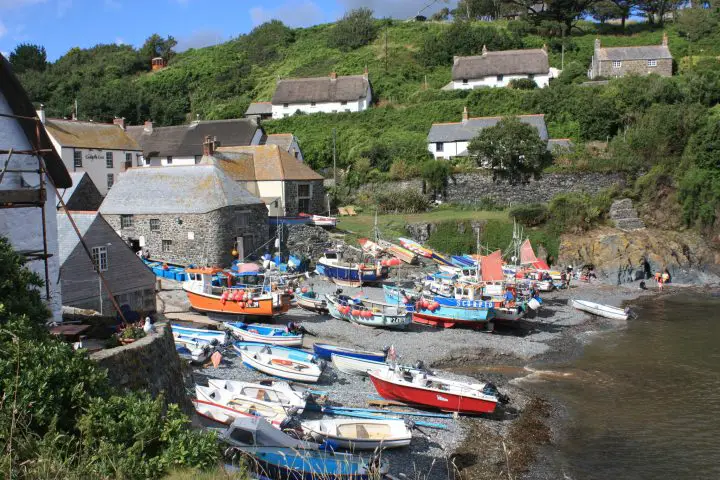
(333, 94)
(26, 195)
(498, 69)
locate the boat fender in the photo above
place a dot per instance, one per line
(434, 306)
(241, 304)
(356, 313)
(368, 314)
(224, 297)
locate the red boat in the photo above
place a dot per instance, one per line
(424, 389)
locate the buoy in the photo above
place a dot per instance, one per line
(367, 314)
(241, 304)
(434, 306)
(304, 289)
(394, 262)
(356, 313)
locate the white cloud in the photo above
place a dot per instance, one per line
(397, 8)
(300, 14)
(8, 4)
(3, 30)
(119, 41)
(199, 39)
(62, 7)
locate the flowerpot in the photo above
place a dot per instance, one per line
(127, 341)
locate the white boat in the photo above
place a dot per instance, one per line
(357, 434)
(601, 310)
(245, 431)
(281, 393)
(273, 334)
(224, 407)
(282, 367)
(192, 350)
(357, 366)
(202, 335)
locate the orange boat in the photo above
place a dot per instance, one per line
(233, 300)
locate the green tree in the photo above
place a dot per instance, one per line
(512, 150)
(156, 46)
(265, 42)
(605, 10)
(440, 15)
(566, 13)
(27, 56)
(435, 175)
(355, 29)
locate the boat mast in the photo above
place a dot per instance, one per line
(477, 261)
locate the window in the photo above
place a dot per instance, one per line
(139, 160)
(243, 220)
(169, 160)
(347, 110)
(343, 103)
(154, 224)
(167, 245)
(100, 259)
(465, 81)
(617, 64)
(500, 78)
(128, 160)
(286, 105)
(312, 104)
(304, 196)
(126, 221)
(109, 159)
(198, 159)
(110, 180)
(531, 76)
(439, 146)
(77, 159)
(147, 161)
(652, 63)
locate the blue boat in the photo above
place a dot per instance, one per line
(272, 334)
(331, 266)
(277, 350)
(277, 221)
(325, 351)
(463, 261)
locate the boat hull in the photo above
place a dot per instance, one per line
(309, 374)
(444, 401)
(214, 304)
(278, 350)
(378, 320)
(252, 335)
(600, 310)
(401, 436)
(356, 366)
(325, 352)
(352, 276)
(316, 305)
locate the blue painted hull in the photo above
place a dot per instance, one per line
(285, 352)
(462, 261)
(351, 276)
(449, 309)
(324, 351)
(290, 464)
(275, 221)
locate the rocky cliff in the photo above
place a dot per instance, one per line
(625, 256)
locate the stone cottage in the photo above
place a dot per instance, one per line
(186, 215)
(620, 61)
(131, 282)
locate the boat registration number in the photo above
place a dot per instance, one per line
(441, 398)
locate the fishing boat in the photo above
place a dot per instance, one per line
(398, 252)
(207, 295)
(370, 247)
(276, 393)
(368, 312)
(331, 266)
(277, 350)
(359, 434)
(282, 367)
(436, 392)
(193, 351)
(310, 300)
(601, 310)
(324, 221)
(273, 334)
(214, 337)
(415, 247)
(224, 407)
(360, 367)
(441, 259)
(278, 455)
(325, 351)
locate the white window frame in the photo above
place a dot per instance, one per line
(464, 81)
(652, 62)
(127, 221)
(100, 259)
(307, 197)
(166, 246)
(154, 224)
(109, 160)
(77, 159)
(110, 180)
(617, 64)
(439, 146)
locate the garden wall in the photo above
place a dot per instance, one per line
(149, 363)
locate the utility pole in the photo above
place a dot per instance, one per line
(334, 162)
(386, 52)
(562, 54)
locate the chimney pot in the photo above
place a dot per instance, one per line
(148, 126)
(41, 113)
(465, 115)
(209, 146)
(120, 122)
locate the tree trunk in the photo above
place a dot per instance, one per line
(622, 22)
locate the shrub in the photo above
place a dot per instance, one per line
(435, 174)
(403, 170)
(523, 84)
(406, 200)
(453, 238)
(530, 215)
(355, 29)
(578, 212)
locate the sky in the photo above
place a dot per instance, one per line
(60, 25)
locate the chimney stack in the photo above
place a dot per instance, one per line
(41, 113)
(333, 75)
(484, 50)
(597, 43)
(120, 122)
(465, 115)
(209, 146)
(148, 128)
(665, 39)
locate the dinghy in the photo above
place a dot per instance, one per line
(202, 335)
(368, 312)
(357, 434)
(278, 366)
(278, 455)
(399, 252)
(324, 351)
(280, 393)
(309, 300)
(224, 407)
(332, 266)
(415, 247)
(277, 350)
(357, 366)
(601, 310)
(273, 334)
(428, 390)
(193, 351)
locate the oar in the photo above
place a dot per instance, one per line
(413, 414)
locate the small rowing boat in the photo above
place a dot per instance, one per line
(272, 334)
(193, 351)
(398, 252)
(281, 393)
(358, 366)
(202, 335)
(278, 350)
(224, 407)
(324, 351)
(279, 366)
(310, 300)
(415, 247)
(601, 310)
(358, 434)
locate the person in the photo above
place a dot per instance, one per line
(591, 273)
(509, 297)
(146, 254)
(666, 276)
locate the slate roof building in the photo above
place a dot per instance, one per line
(83, 195)
(286, 185)
(28, 218)
(183, 144)
(610, 62)
(259, 110)
(447, 140)
(186, 214)
(131, 282)
(287, 142)
(103, 150)
(498, 69)
(332, 94)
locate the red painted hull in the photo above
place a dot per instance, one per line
(214, 304)
(436, 321)
(432, 398)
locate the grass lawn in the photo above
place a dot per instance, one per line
(393, 226)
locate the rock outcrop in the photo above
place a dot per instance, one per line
(624, 256)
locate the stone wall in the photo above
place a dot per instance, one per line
(199, 239)
(468, 188)
(635, 67)
(317, 201)
(151, 364)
